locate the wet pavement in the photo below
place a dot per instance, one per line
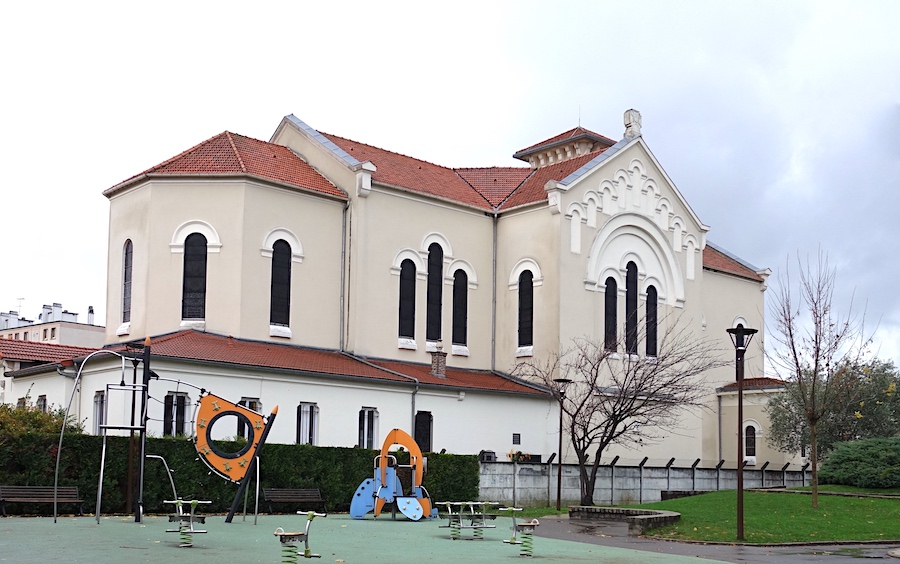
(615, 534)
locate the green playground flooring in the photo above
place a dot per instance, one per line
(337, 538)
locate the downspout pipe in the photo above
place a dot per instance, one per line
(344, 268)
(496, 218)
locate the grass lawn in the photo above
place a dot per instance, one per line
(781, 517)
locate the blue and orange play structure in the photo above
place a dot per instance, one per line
(385, 486)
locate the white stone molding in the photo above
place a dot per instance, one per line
(690, 255)
(677, 229)
(520, 267)
(288, 237)
(440, 240)
(459, 264)
(593, 202)
(739, 320)
(124, 329)
(406, 343)
(664, 212)
(415, 257)
(575, 214)
(632, 236)
(460, 350)
(198, 324)
(213, 243)
(524, 351)
(280, 331)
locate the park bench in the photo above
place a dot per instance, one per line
(305, 498)
(39, 494)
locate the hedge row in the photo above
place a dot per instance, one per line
(337, 472)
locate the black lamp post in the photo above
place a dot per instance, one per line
(562, 384)
(740, 338)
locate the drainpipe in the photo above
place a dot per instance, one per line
(494, 297)
(344, 268)
(719, 399)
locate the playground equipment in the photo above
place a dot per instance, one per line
(233, 466)
(475, 513)
(289, 551)
(385, 486)
(525, 529)
(186, 521)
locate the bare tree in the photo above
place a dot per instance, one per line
(816, 350)
(624, 399)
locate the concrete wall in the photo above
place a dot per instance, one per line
(534, 485)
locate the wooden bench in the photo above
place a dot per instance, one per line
(305, 498)
(39, 494)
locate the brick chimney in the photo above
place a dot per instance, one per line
(439, 361)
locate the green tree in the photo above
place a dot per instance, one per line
(868, 406)
(28, 419)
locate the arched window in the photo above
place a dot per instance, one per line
(407, 299)
(631, 308)
(280, 305)
(750, 441)
(460, 306)
(526, 309)
(433, 295)
(193, 289)
(651, 320)
(126, 281)
(610, 305)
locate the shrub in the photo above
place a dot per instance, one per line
(868, 463)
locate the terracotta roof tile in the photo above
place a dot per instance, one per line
(715, 259)
(32, 351)
(413, 174)
(532, 190)
(196, 345)
(231, 154)
(458, 378)
(495, 184)
(573, 133)
(754, 383)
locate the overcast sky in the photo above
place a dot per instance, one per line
(778, 121)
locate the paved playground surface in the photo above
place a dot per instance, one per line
(338, 538)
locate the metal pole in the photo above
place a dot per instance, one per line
(739, 367)
(559, 462)
(139, 507)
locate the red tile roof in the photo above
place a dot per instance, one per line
(196, 345)
(754, 383)
(562, 138)
(413, 174)
(231, 154)
(32, 351)
(714, 259)
(496, 183)
(457, 378)
(532, 190)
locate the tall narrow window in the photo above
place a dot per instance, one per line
(307, 423)
(460, 307)
(249, 403)
(126, 281)
(99, 411)
(175, 406)
(280, 305)
(750, 441)
(651, 320)
(423, 430)
(631, 308)
(407, 299)
(42, 404)
(434, 292)
(193, 290)
(526, 309)
(368, 427)
(610, 305)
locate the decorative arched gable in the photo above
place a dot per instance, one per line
(635, 237)
(415, 257)
(522, 266)
(463, 265)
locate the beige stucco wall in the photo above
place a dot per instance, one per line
(242, 212)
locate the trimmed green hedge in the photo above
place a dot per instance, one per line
(867, 463)
(31, 459)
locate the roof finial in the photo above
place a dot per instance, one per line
(632, 124)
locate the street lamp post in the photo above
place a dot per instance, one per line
(740, 338)
(562, 384)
